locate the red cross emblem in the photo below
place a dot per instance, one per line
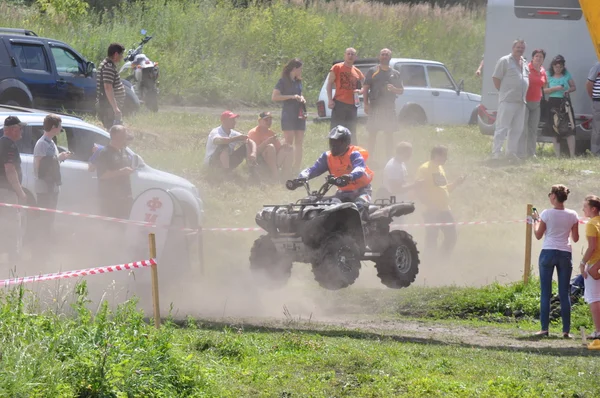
(154, 204)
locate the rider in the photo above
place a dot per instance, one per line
(347, 162)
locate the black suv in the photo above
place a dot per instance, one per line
(37, 72)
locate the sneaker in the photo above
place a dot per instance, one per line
(594, 336)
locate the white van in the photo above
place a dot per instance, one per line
(557, 27)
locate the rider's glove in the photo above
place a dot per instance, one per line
(344, 180)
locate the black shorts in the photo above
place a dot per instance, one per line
(236, 157)
(382, 118)
(291, 122)
(344, 115)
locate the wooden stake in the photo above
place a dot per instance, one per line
(528, 236)
(583, 337)
(200, 242)
(155, 302)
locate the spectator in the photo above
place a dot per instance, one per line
(557, 224)
(293, 114)
(395, 174)
(11, 190)
(479, 70)
(110, 92)
(537, 81)
(382, 85)
(590, 263)
(434, 192)
(46, 167)
(348, 80)
(511, 79)
(560, 84)
(226, 148)
(593, 89)
(113, 168)
(269, 148)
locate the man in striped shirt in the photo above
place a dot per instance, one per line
(593, 89)
(110, 92)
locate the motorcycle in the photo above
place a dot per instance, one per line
(143, 74)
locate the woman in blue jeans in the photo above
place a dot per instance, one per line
(558, 224)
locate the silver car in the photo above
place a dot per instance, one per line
(431, 95)
(79, 189)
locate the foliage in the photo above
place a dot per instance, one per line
(87, 355)
(211, 52)
(69, 9)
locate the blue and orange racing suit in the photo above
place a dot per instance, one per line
(351, 163)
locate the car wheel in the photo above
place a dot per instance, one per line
(412, 116)
(473, 119)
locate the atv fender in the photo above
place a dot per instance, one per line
(342, 219)
(396, 210)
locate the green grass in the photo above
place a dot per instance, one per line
(117, 354)
(211, 52)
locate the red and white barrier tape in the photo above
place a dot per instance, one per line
(81, 272)
(96, 217)
(192, 231)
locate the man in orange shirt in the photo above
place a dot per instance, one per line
(269, 149)
(348, 80)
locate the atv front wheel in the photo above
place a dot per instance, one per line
(398, 265)
(270, 268)
(338, 263)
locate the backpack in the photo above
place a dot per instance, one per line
(562, 122)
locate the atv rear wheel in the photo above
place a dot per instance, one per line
(270, 268)
(338, 263)
(398, 265)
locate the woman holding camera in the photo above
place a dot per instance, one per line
(558, 224)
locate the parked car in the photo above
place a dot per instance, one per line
(431, 95)
(79, 189)
(49, 74)
(554, 26)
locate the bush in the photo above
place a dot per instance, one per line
(87, 355)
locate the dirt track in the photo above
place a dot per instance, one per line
(414, 331)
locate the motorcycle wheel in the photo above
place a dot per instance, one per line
(398, 265)
(150, 96)
(270, 269)
(338, 263)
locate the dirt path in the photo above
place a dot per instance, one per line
(415, 331)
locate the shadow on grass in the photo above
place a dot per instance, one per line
(363, 335)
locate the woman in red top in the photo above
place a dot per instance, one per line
(537, 81)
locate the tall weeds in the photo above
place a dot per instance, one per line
(210, 52)
(43, 353)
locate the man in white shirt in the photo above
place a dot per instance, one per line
(226, 148)
(511, 79)
(395, 174)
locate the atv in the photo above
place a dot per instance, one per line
(334, 236)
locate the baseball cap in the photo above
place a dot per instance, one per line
(228, 115)
(13, 121)
(265, 115)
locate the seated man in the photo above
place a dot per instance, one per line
(226, 148)
(269, 149)
(395, 175)
(345, 161)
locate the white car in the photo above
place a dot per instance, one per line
(431, 95)
(79, 189)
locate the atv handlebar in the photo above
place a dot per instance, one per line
(329, 180)
(295, 183)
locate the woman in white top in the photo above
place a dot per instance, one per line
(558, 224)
